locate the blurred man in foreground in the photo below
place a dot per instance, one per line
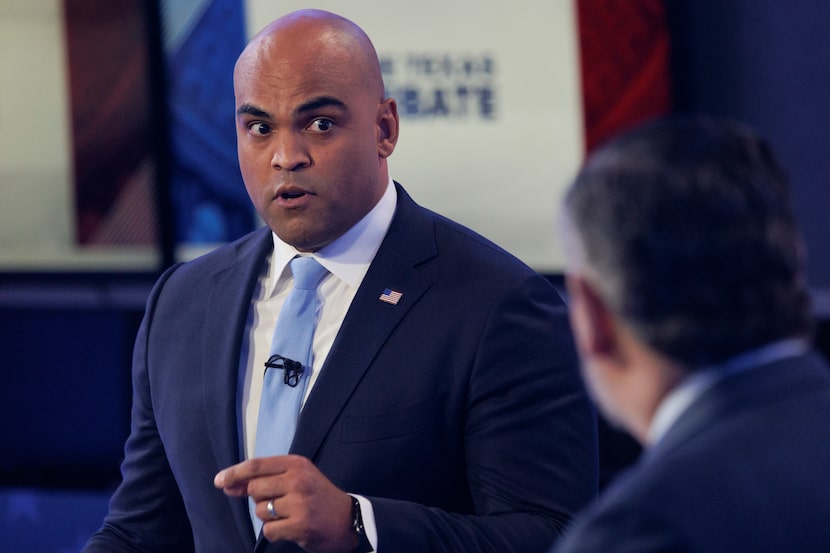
(691, 314)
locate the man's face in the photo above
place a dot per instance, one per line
(597, 364)
(311, 141)
(601, 389)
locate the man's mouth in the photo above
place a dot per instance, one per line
(292, 197)
(288, 192)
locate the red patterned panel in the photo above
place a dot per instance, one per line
(624, 47)
(110, 106)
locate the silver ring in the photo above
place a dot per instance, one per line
(270, 508)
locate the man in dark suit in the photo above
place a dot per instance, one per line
(444, 409)
(691, 316)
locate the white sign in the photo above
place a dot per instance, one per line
(490, 103)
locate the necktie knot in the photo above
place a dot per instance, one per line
(307, 272)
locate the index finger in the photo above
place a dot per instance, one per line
(235, 478)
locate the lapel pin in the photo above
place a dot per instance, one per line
(391, 296)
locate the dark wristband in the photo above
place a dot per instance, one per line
(363, 543)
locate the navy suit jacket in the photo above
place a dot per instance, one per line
(745, 469)
(459, 412)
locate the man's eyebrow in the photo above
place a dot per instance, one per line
(249, 109)
(306, 107)
(319, 102)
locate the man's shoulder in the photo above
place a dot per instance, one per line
(456, 242)
(231, 251)
(250, 247)
(629, 510)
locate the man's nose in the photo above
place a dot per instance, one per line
(290, 152)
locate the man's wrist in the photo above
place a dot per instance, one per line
(363, 543)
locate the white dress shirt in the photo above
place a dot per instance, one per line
(347, 260)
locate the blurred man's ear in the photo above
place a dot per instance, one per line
(593, 324)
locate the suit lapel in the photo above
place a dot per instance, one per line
(229, 300)
(369, 321)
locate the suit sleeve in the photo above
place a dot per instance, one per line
(530, 438)
(146, 512)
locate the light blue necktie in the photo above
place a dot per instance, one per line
(289, 365)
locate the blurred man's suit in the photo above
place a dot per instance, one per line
(762, 435)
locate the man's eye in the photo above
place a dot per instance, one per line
(259, 129)
(321, 125)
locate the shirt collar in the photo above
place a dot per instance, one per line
(675, 403)
(349, 256)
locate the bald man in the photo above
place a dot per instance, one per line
(443, 409)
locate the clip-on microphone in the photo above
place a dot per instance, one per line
(292, 370)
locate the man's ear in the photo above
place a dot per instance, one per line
(387, 125)
(593, 323)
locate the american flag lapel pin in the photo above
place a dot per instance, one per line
(391, 296)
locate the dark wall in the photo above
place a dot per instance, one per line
(66, 351)
(767, 63)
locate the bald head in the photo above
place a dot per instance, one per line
(314, 130)
(319, 38)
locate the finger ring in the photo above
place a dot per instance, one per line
(270, 508)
